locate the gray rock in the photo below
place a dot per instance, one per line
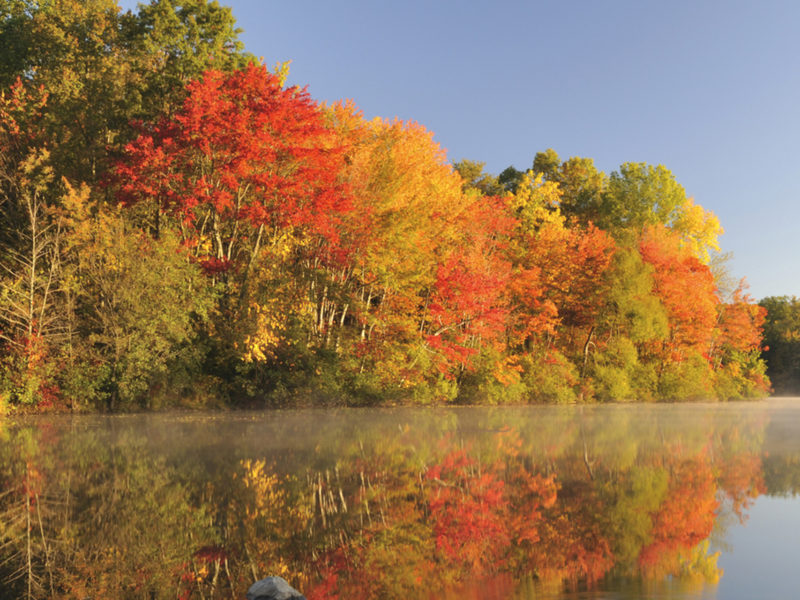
(273, 588)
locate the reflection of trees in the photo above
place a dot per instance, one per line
(684, 519)
(557, 498)
(782, 474)
(573, 544)
(506, 508)
(99, 524)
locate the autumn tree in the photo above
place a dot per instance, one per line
(344, 256)
(241, 164)
(427, 262)
(685, 287)
(736, 349)
(562, 280)
(249, 173)
(468, 304)
(30, 245)
(74, 75)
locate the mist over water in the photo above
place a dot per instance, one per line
(612, 501)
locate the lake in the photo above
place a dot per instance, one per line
(611, 502)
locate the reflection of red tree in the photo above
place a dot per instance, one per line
(330, 567)
(741, 477)
(686, 517)
(468, 512)
(530, 495)
(573, 545)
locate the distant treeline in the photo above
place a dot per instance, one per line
(782, 343)
(177, 226)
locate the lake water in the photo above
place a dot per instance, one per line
(621, 501)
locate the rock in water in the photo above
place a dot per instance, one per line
(273, 588)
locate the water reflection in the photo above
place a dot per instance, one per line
(594, 502)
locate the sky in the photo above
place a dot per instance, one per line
(709, 89)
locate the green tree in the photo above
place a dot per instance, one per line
(76, 51)
(782, 342)
(476, 179)
(640, 194)
(173, 42)
(581, 184)
(137, 301)
(510, 178)
(547, 164)
(631, 320)
(102, 68)
(583, 187)
(15, 43)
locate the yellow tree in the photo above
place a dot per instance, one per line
(424, 279)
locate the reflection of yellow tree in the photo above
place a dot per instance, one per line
(389, 549)
(141, 533)
(262, 519)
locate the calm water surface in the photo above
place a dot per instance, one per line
(624, 501)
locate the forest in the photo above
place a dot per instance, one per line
(180, 228)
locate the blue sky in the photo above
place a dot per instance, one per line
(709, 89)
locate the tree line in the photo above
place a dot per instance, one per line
(179, 226)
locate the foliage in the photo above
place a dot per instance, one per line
(581, 184)
(782, 342)
(476, 179)
(138, 297)
(175, 221)
(102, 67)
